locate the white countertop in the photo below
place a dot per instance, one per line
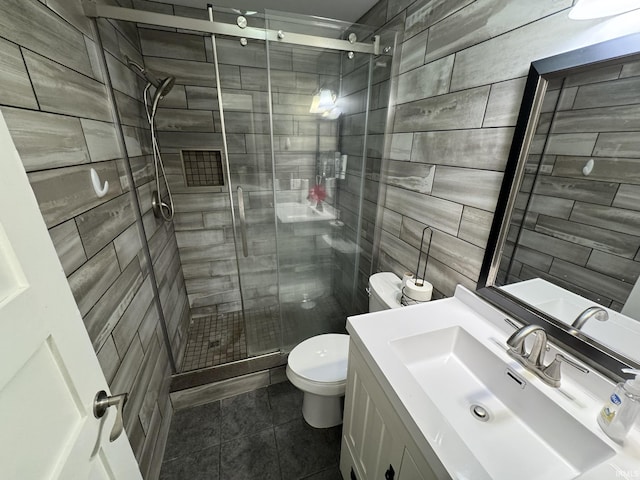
(581, 395)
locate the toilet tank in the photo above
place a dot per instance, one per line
(385, 291)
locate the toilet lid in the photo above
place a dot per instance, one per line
(322, 358)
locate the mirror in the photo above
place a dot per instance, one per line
(566, 233)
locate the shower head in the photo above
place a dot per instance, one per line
(163, 87)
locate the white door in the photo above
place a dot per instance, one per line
(49, 374)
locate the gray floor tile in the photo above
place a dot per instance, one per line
(249, 458)
(201, 465)
(304, 450)
(285, 401)
(193, 429)
(245, 414)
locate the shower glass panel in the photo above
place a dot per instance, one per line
(125, 61)
(245, 104)
(218, 302)
(319, 131)
(226, 232)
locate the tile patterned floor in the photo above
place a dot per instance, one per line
(263, 330)
(256, 435)
(213, 340)
(218, 339)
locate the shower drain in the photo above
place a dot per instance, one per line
(479, 413)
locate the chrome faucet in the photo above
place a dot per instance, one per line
(596, 312)
(534, 360)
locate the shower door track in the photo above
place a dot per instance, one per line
(226, 371)
(95, 10)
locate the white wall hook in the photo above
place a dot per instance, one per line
(101, 190)
(588, 168)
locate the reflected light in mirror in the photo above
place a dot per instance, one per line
(323, 101)
(327, 100)
(589, 9)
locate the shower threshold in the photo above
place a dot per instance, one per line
(227, 371)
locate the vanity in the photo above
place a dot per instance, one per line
(432, 394)
(507, 382)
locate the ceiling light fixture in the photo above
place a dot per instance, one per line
(590, 9)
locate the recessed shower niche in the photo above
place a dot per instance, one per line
(202, 168)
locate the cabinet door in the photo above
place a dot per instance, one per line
(372, 446)
(375, 441)
(409, 470)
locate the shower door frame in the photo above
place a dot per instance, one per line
(96, 10)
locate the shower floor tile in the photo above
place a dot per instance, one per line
(218, 339)
(263, 330)
(214, 340)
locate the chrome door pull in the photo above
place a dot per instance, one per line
(243, 223)
(104, 401)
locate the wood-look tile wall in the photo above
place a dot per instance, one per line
(189, 118)
(461, 79)
(583, 231)
(55, 103)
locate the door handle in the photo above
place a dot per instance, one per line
(104, 401)
(390, 474)
(243, 222)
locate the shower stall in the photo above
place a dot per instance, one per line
(257, 139)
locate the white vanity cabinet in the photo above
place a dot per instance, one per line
(376, 445)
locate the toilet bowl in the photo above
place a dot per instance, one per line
(318, 365)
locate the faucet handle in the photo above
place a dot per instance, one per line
(552, 371)
(517, 346)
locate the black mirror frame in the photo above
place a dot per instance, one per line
(611, 52)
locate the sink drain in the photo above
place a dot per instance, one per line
(479, 413)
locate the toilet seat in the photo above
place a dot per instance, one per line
(319, 364)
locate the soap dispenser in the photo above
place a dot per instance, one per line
(617, 416)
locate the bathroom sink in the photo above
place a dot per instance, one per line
(511, 428)
(290, 212)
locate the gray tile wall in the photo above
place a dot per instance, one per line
(461, 80)
(55, 103)
(583, 232)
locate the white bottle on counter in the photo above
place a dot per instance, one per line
(617, 417)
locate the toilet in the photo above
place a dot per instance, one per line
(318, 365)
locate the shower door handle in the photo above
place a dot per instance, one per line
(243, 222)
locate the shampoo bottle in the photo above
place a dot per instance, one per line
(617, 417)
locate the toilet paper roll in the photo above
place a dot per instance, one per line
(407, 276)
(416, 292)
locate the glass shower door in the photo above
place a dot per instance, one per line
(318, 201)
(244, 95)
